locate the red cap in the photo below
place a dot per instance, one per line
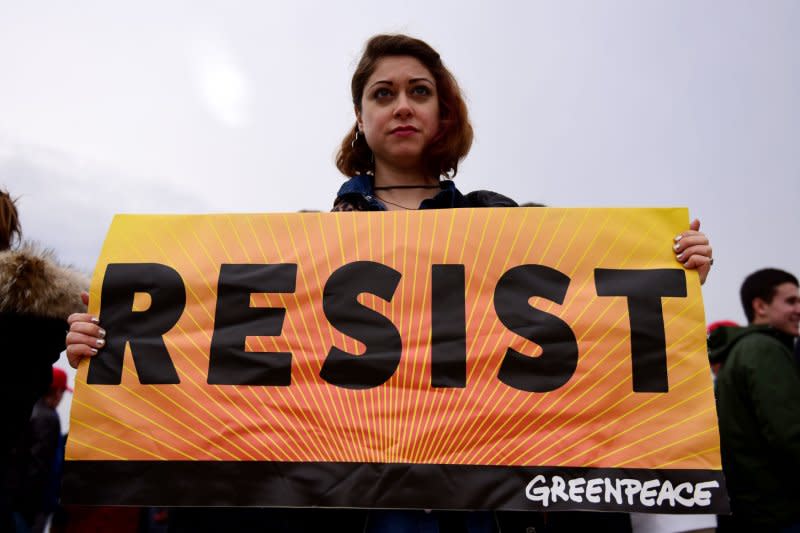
(59, 380)
(719, 324)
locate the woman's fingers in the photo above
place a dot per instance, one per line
(696, 261)
(701, 263)
(80, 346)
(693, 253)
(697, 258)
(689, 238)
(690, 243)
(75, 337)
(88, 328)
(693, 250)
(85, 337)
(75, 318)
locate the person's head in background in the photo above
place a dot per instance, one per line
(57, 388)
(401, 82)
(10, 229)
(718, 338)
(770, 297)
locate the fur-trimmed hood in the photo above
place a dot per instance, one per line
(33, 282)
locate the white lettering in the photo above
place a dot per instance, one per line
(576, 489)
(558, 489)
(701, 496)
(667, 493)
(537, 494)
(632, 488)
(686, 502)
(619, 491)
(593, 488)
(649, 491)
(616, 491)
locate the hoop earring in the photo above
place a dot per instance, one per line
(354, 141)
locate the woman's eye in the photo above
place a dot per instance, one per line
(382, 93)
(421, 90)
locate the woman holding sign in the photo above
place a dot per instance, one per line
(411, 131)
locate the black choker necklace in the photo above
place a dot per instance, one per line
(390, 187)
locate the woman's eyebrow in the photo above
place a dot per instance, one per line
(412, 80)
(379, 82)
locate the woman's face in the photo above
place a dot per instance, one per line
(399, 112)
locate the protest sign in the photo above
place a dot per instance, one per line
(508, 358)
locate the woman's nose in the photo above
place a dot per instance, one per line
(403, 107)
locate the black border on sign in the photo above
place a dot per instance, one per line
(358, 485)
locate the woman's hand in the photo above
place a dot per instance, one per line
(85, 337)
(693, 250)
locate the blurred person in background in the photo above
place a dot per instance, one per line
(714, 326)
(758, 404)
(36, 297)
(33, 468)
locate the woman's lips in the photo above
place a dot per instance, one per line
(404, 131)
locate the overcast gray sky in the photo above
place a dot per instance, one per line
(205, 106)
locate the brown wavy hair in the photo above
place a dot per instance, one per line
(454, 138)
(10, 227)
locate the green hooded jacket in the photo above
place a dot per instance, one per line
(758, 403)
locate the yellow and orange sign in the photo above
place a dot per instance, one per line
(498, 343)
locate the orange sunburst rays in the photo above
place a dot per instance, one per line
(135, 401)
(585, 411)
(557, 398)
(498, 423)
(515, 395)
(595, 419)
(443, 453)
(484, 371)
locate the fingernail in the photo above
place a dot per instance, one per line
(100, 343)
(94, 351)
(94, 320)
(679, 237)
(680, 257)
(101, 333)
(676, 246)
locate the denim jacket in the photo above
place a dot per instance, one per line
(358, 194)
